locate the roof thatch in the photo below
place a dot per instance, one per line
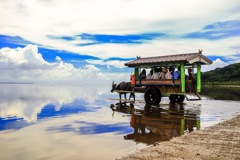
(187, 59)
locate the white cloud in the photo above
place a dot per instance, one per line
(218, 63)
(118, 16)
(58, 58)
(36, 20)
(158, 47)
(114, 63)
(26, 64)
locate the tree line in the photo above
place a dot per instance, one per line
(228, 75)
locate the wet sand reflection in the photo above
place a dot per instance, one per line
(156, 123)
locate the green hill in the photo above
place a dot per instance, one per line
(227, 75)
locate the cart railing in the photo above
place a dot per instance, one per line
(175, 82)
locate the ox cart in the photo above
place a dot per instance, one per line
(177, 88)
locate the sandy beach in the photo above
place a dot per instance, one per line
(221, 141)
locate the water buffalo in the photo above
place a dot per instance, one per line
(123, 86)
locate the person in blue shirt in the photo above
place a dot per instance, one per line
(176, 74)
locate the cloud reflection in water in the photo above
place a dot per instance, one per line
(93, 128)
(23, 105)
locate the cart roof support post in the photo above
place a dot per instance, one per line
(198, 77)
(136, 73)
(182, 72)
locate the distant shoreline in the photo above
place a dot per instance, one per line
(230, 83)
(16, 83)
(222, 85)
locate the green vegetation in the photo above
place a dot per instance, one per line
(229, 75)
(219, 92)
(222, 83)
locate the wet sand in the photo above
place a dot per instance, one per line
(221, 141)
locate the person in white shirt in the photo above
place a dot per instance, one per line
(163, 72)
(169, 73)
(156, 74)
(149, 76)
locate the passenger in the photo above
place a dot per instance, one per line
(190, 76)
(162, 74)
(149, 76)
(143, 74)
(169, 73)
(156, 74)
(132, 78)
(189, 81)
(176, 74)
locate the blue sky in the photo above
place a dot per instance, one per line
(67, 41)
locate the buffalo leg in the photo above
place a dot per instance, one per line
(132, 95)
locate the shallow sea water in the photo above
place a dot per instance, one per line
(76, 121)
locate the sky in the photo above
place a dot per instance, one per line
(78, 41)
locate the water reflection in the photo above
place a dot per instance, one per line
(158, 123)
(76, 120)
(24, 105)
(90, 128)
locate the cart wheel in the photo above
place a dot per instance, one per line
(180, 98)
(174, 98)
(152, 96)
